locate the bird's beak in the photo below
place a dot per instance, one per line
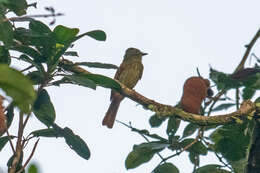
(143, 54)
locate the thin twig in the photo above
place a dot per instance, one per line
(237, 98)
(27, 68)
(30, 157)
(28, 17)
(9, 139)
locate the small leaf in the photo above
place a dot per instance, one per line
(30, 52)
(4, 140)
(211, 168)
(98, 65)
(18, 86)
(248, 93)
(36, 77)
(50, 132)
(10, 114)
(104, 81)
(156, 121)
(6, 31)
(166, 168)
(76, 143)
(223, 106)
(96, 34)
(4, 56)
(44, 109)
(194, 158)
(143, 153)
(32, 169)
(17, 6)
(173, 125)
(81, 80)
(196, 148)
(35, 64)
(71, 53)
(189, 129)
(65, 35)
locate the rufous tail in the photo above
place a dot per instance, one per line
(110, 116)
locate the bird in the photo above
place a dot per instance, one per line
(195, 90)
(129, 73)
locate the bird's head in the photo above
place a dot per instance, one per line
(133, 52)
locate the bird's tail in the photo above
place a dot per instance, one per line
(110, 116)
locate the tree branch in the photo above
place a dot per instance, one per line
(162, 110)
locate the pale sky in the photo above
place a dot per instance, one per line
(178, 36)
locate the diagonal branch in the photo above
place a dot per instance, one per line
(163, 110)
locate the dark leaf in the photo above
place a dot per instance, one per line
(81, 80)
(173, 125)
(244, 74)
(223, 106)
(166, 168)
(36, 77)
(10, 114)
(194, 158)
(156, 121)
(211, 169)
(36, 65)
(71, 53)
(4, 56)
(17, 6)
(197, 148)
(18, 86)
(248, 93)
(6, 31)
(50, 132)
(44, 109)
(104, 81)
(189, 129)
(98, 65)
(96, 34)
(4, 140)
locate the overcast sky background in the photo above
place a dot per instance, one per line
(178, 36)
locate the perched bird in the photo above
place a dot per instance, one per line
(128, 73)
(195, 90)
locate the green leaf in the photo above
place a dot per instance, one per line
(44, 109)
(104, 81)
(211, 168)
(173, 125)
(96, 34)
(50, 132)
(156, 121)
(98, 65)
(10, 114)
(4, 56)
(166, 168)
(189, 129)
(71, 53)
(35, 64)
(143, 153)
(36, 77)
(39, 27)
(196, 148)
(65, 35)
(81, 80)
(194, 158)
(223, 106)
(32, 169)
(17, 86)
(17, 6)
(248, 93)
(6, 31)
(76, 143)
(4, 140)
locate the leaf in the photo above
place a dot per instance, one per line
(17, 6)
(189, 129)
(36, 77)
(4, 140)
(43, 108)
(30, 52)
(96, 34)
(17, 86)
(98, 65)
(35, 64)
(39, 27)
(65, 35)
(196, 148)
(213, 168)
(32, 169)
(223, 106)
(4, 56)
(173, 125)
(6, 31)
(156, 121)
(81, 80)
(194, 158)
(50, 132)
(76, 143)
(10, 114)
(143, 153)
(104, 81)
(71, 53)
(166, 168)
